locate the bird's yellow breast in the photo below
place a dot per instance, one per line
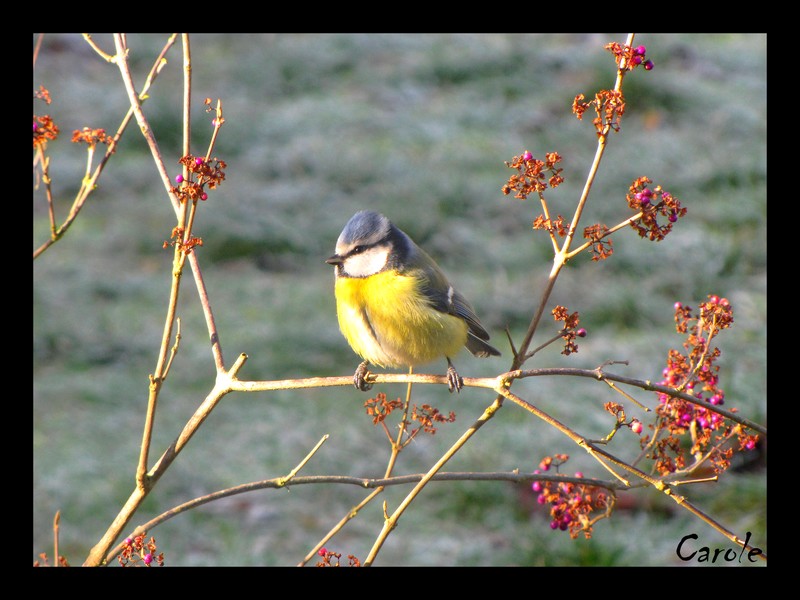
(388, 322)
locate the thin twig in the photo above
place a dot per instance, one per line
(626, 395)
(391, 522)
(606, 459)
(492, 383)
(88, 186)
(37, 47)
(205, 304)
(351, 514)
(377, 485)
(157, 378)
(110, 58)
(283, 481)
(97, 556)
(56, 520)
(614, 229)
(562, 255)
(396, 446)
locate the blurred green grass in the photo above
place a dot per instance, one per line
(416, 126)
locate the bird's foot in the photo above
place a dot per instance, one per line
(454, 380)
(360, 377)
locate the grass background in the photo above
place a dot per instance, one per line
(417, 126)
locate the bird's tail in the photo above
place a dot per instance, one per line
(480, 348)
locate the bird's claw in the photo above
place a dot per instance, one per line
(454, 380)
(360, 377)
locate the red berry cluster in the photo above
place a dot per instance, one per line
(379, 407)
(553, 226)
(609, 105)
(694, 372)
(332, 559)
(533, 175)
(136, 552)
(426, 415)
(618, 411)
(202, 173)
(570, 331)
(45, 562)
(601, 246)
(571, 502)
(652, 203)
(43, 127)
(629, 57)
(90, 136)
(176, 238)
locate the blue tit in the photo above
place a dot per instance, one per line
(395, 305)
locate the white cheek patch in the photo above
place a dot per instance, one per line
(366, 263)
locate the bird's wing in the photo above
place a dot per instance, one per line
(445, 298)
(460, 307)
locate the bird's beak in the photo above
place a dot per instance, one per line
(334, 260)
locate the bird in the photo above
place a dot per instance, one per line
(395, 305)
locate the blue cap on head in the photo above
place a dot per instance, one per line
(365, 227)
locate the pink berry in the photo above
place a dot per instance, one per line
(640, 50)
(322, 551)
(648, 65)
(526, 156)
(203, 196)
(179, 179)
(636, 427)
(148, 558)
(198, 161)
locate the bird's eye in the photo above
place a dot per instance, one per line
(358, 250)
